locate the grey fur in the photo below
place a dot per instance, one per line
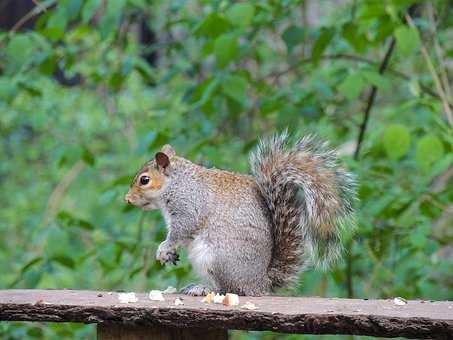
(245, 234)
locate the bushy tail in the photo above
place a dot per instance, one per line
(309, 198)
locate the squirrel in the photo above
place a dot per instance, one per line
(250, 234)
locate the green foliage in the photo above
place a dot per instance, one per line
(407, 39)
(226, 73)
(429, 150)
(396, 141)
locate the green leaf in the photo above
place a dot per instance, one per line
(241, 14)
(73, 8)
(89, 9)
(30, 88)
(352, 86)
(48, 65)
(31, 263)
(88, 157)
(225, 49)
(292, 36)
(64, 260)
(68, 220)
(56, 24)
(212, 26)
(235, 87)
(353, 36)
(376, 79)
(8, 89)
(321, 43)
(407, 39)
(111, 19)
(144, 69)
(396, 141)
(18, 52)
(429, 149)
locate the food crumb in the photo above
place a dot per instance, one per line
(208, 298)
(218, 298)
(178, 302)
(127, 297)
(231, 300)
(156, 295)
(249, 305)
(399, 301)
(170, 290)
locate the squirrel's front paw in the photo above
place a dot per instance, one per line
(167, 254)
(195, 290)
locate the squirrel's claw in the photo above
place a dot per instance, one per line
(166, 254)
(176, 259)
(195, 290)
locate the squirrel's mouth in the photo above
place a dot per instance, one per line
(148, 206)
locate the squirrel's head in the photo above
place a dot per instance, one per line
(145, 189)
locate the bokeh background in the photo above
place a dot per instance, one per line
(89, 90)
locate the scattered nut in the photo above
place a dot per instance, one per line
(156, 295)
(208, 298)
(170, 290)
(249, 305)
(178, 302)
(399, 301)
(100, 295)
(127, 297)
(218, 298)
(231, 300)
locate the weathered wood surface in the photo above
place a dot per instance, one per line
(416, 319)
(117, 331)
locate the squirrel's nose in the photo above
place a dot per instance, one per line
(127, 198)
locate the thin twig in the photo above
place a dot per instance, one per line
(33, 12)
(371, 99)
(396, 73)
(37, 3)
(434, 75)
(440, 55)
(61, 188)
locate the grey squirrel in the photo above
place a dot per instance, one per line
(250, 234)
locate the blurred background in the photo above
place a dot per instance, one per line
(89, 90)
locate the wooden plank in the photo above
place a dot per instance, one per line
(310, 315)
(116, 331)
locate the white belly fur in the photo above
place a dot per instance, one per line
(201, 257)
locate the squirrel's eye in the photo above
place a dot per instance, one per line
(144, 180)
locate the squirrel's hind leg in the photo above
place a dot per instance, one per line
(195, 290)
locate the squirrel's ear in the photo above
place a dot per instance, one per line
(168, 150)
(162, 160)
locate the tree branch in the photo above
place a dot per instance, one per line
(352, 57)
(372, 97)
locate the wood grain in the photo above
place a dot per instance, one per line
(310, 315)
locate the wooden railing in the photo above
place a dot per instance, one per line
(146, 319)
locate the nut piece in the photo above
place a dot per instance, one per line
(127, 297)
(170, 290)
(231, 300)
(178, 302)
(249, 305)
(156, 295)
(399, 301)
(208, 298)
(218, 298)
